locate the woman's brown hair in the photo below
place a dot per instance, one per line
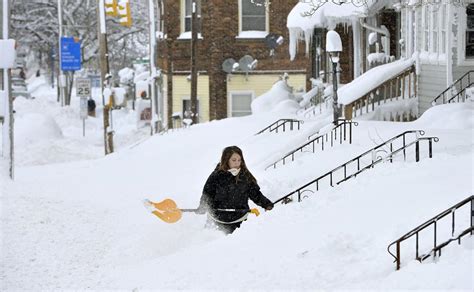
(224, 164)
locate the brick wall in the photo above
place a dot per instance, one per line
(220, 26)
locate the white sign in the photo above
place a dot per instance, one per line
(83, 87)
(8, 53)
(83, 108)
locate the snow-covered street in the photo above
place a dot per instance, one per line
(79, 223)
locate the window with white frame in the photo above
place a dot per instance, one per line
(187, 113)
(470, 31)
(188, 11)
(240, 104)
(426, 28)
(252, 17)
(443, 28)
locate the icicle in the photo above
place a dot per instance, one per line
(308, 35)
(293, 46)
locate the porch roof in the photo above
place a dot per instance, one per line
(326, 16)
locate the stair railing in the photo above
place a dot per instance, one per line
(401, 86)
(343, 130)
(375, 158)
(460, 95)
(434, 221)
(281, 123)
(463, 82)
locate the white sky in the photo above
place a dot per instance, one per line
(73, 219)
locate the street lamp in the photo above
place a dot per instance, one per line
(334, 47)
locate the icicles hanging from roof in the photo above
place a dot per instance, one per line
(297, 34)
(327, 16)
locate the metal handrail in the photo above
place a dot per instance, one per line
(333, 133)
(460, 93)
(375, 160)
(459, 80)
(434, 221)
(281, 123)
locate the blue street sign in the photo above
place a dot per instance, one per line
(70, 54)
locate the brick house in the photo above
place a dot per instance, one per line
(228, 29)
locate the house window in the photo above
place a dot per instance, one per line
(426, 29)
(470, 31)
(187, 108)
(240, 104)
(252, 17)
(188, 11)
(443, 18)
(434, 28)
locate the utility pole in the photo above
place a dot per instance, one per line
(61, 76)
(194, 33)
(8, 120)
(104, 77)
(156, 117)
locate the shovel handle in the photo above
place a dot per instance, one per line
(254, 211)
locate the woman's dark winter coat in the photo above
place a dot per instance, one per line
(226, 191)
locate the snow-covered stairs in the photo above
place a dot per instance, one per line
(450, 231)
(386, 151)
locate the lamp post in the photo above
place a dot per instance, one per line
(334, 47)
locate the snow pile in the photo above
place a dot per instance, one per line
(370, 80)
(450, 116)
(470, 93)
(378, 58)
(82, 226)
(120, 96)
(37, 84)
(35, 127)
(126, 75)
(278, 98)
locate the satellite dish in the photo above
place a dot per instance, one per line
(271, 41)
(229, 65)
(245, 63)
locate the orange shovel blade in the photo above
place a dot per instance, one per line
(165, 205)
(169, 216)
(167, 210)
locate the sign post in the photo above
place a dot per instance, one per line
(83, 90)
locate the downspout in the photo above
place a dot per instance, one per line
(383, 30)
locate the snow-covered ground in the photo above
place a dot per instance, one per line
(73, 219)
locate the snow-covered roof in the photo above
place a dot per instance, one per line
(370, 80)
(326, 16)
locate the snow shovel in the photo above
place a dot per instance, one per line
(168, 211)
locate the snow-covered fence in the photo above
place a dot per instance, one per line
(458, 91)
(402, 86)
(435, 223)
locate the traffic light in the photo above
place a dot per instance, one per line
(111, 8)
(125, 13)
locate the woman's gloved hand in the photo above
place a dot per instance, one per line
(269, 207)
(200, 210)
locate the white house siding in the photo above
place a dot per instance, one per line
(431, 82)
